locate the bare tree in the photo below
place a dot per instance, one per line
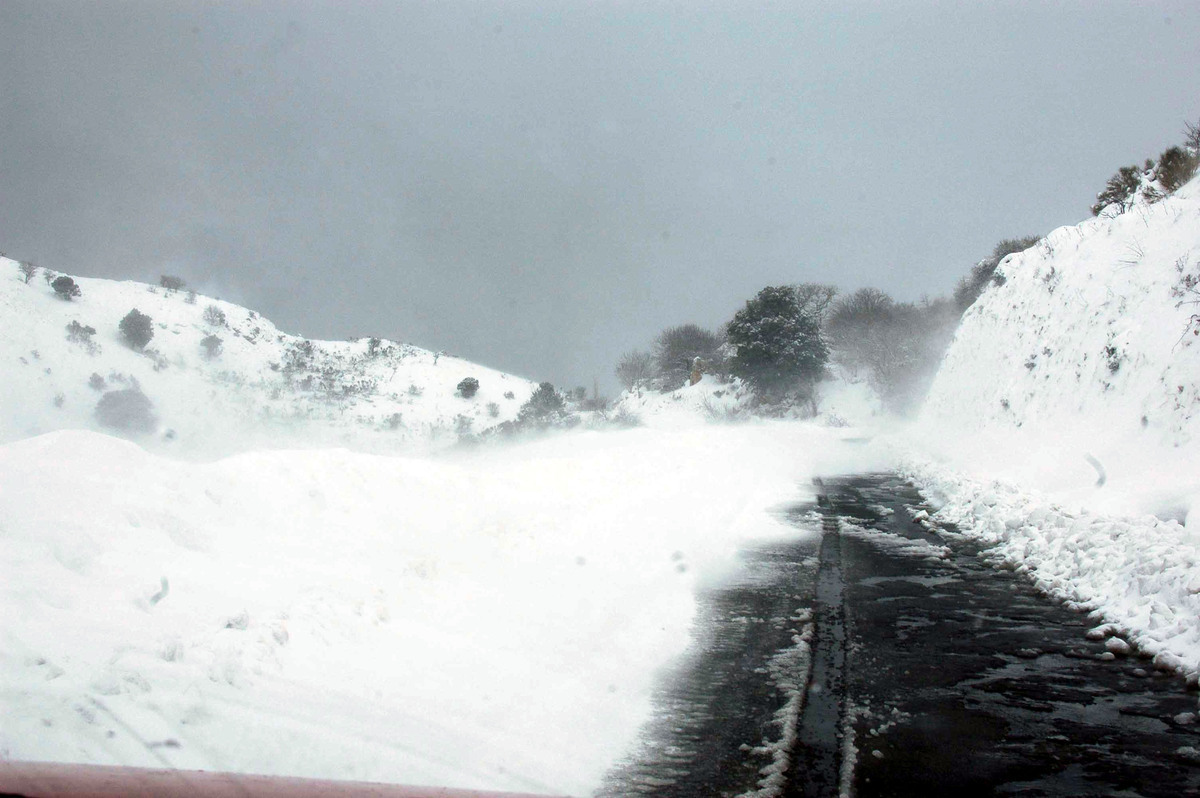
(28, 270)
(634, 369)
(1192, 136)
(815, 299)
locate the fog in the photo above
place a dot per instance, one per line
(541, 186)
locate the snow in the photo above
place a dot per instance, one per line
(266, 389)
(294, 573)
(485, 619)
(1063, 426)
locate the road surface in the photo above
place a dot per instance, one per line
(876, 656)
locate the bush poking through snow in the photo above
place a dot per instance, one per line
(81, 334)
(493, 409)
(137, 329)
(1175, 167)
(545, 407)
(468, 387)
(28, 270)
(128, 410)
(65, 287)
(984, 273)
(214, 315)
(212, 346)
(96, 382)
(1121, 189)
(171, 283)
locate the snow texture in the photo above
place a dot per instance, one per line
(264, 389)
(485, 619)
(1063, 427)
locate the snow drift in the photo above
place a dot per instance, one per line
(492, 619)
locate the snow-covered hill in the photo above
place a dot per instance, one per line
(264, 388)
(1087, 333)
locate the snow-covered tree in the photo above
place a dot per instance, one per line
(779, 346)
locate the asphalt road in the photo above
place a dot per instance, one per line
(876, 656)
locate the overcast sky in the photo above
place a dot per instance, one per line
(540, 186)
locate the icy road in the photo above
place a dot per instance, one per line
(882, 655)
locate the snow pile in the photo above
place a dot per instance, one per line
(840, 402)
(1139, 574)
(1064, 425)
(263, 388)
(491, 619)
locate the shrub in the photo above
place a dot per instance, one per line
(171, 283)
(80, 334)
(778, 345)
(1175, 167)
(545, 406)
(676, 348)
(65, 287)
(96, 382)
(984, 272)
(128, 410)
(1121, 189)
(634, 369)
(468, 387)
(28, 270)
(509, 395)
(137, 329)
(493, 409)
(214, 315)
(191, 297)
(414, 389)
(211, 345)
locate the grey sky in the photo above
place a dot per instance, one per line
(540, 186)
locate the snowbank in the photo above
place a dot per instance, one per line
(491, 619)
(1064, 424)
(840, 402)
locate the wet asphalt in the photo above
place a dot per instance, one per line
(876, 656)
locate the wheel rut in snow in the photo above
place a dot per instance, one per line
(925, 670)
(739, 686)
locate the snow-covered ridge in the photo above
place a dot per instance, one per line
(1086, 333)
(265, 388)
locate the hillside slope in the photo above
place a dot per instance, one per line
(1063, 429)
(1087, 347)
(265, 388)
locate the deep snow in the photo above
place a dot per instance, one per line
(488, 619)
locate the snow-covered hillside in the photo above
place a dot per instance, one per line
(1086, 333)
(1064, 425)
(264, 388)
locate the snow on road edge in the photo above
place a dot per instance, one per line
(1138, 574)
